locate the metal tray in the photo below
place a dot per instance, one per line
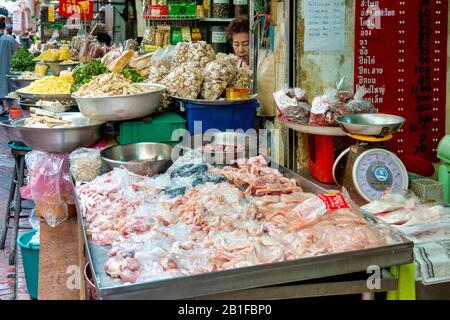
(248, 277)
(323, 131)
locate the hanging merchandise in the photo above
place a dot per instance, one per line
(218, 38)
(265, 82)
(109, 19)
(196, 35)
(27, 19)
(18, 22)
(176, 35)
(240, 8)
(220, 8)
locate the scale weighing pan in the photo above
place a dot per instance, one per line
(369, 124)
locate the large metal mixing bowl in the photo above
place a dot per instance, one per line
(121, 155)
(85, 133)
(368, 124)
(118, 108)
(9, 130)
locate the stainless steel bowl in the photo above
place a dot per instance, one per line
(57, 66)
(85, 133)
(9, 130)
(22, 83)
(120, 155)
(369, 124)
(247, 141)
(118, 108)
(39, 96)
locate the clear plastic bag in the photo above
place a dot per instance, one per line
(184, 81)
(85, 164)
(218, 75)
(358, 104)
(180, 55)
(50, 185)
(293, 105)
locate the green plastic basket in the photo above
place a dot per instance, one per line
(158, 129)
(30, 259)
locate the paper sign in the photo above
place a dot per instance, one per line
(324, 25)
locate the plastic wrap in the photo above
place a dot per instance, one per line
(242, 79)
(85, 164)
(218, 75)
(359, 105)
(293, 105)
(184, 81)
(319, 110)
(200, 53)
(181, 54)
(50, 185)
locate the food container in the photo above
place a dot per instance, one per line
(220, 8)
(159, 11)
(427, 190)
(240, 8)
(237, 94)
(218, 38)
(85, 133)
(118, 108)
(121, 155)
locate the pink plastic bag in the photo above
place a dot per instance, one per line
(50, 186)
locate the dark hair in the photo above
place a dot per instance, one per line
(2, 22)
(104, 38)
(238, 25)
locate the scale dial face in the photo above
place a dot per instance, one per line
(376, 170)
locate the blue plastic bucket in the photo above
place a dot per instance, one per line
(240, 115)
(30, 258)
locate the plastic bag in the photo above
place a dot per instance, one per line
(359, 105)
(34, 220)
(85, 164)
(218, 74)
(180, 54)
(266, 82)
(320, 108)
(200, 53)
(185, 81)
(164, 56)
(50, 185)
(293, 105)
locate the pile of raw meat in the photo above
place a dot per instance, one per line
(196, 219)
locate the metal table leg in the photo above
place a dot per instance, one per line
(12, 189)
(17, 210)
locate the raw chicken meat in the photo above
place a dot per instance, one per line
(210, 224)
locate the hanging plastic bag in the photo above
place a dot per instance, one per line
(51, 188)
(359, 105)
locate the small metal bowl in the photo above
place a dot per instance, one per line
(368, 124)
(121, 155)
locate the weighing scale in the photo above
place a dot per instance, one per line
(366, 169)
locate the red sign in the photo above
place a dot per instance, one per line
(400, 57)
(83, 9)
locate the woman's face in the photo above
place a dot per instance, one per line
(240, 45)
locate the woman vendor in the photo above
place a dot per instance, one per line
(238, 35)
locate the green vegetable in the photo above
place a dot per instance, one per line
(133, 75)
(22, 60)
(84, 72)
